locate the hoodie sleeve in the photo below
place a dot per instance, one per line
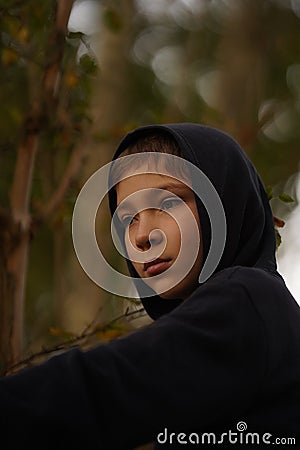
(187, 371)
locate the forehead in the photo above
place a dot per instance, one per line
(135, 183)
(149, 163)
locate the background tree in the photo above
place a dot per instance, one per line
(43, 113)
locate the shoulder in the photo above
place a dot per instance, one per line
(239, 283)
(226, 300)
(266, 294)
(257, 283)
(266, 291)
(248, 276)
(245, 293)
(263, 288)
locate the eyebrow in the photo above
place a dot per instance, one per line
(170, 186)
(173, 186)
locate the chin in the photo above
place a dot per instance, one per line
(178, 293)
(170, 296)
(173, 294)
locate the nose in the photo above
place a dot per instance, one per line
(146, 233)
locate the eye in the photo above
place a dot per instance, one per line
(170, 203)
(127, 220)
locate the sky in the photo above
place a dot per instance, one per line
(288, 256)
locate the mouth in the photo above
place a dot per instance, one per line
(157, 266)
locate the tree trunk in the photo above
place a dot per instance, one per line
(16, 223)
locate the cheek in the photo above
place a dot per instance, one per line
(130, 246)
(131, 241)
(186, 240)
(137, 265)
(173, 234)
(186, 225)
(192, 224)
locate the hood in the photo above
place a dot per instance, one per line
(250, 239)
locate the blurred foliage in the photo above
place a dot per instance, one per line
(112, 19)
(278, 223)
(234, 64)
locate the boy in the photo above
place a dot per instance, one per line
(220, 364)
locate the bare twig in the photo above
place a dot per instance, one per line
(72, 342)
(93, 322)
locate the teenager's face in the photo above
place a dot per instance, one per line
(147, 227)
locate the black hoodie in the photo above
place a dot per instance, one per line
(221, 367)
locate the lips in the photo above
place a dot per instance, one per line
(157, 266)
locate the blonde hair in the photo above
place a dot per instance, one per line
(154, 142)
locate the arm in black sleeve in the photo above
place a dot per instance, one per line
(187, 370)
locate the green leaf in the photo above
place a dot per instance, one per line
(269, 191)
(88, 64)
(286, 198)
(75, 35)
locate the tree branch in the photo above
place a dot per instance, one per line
(72, 342)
